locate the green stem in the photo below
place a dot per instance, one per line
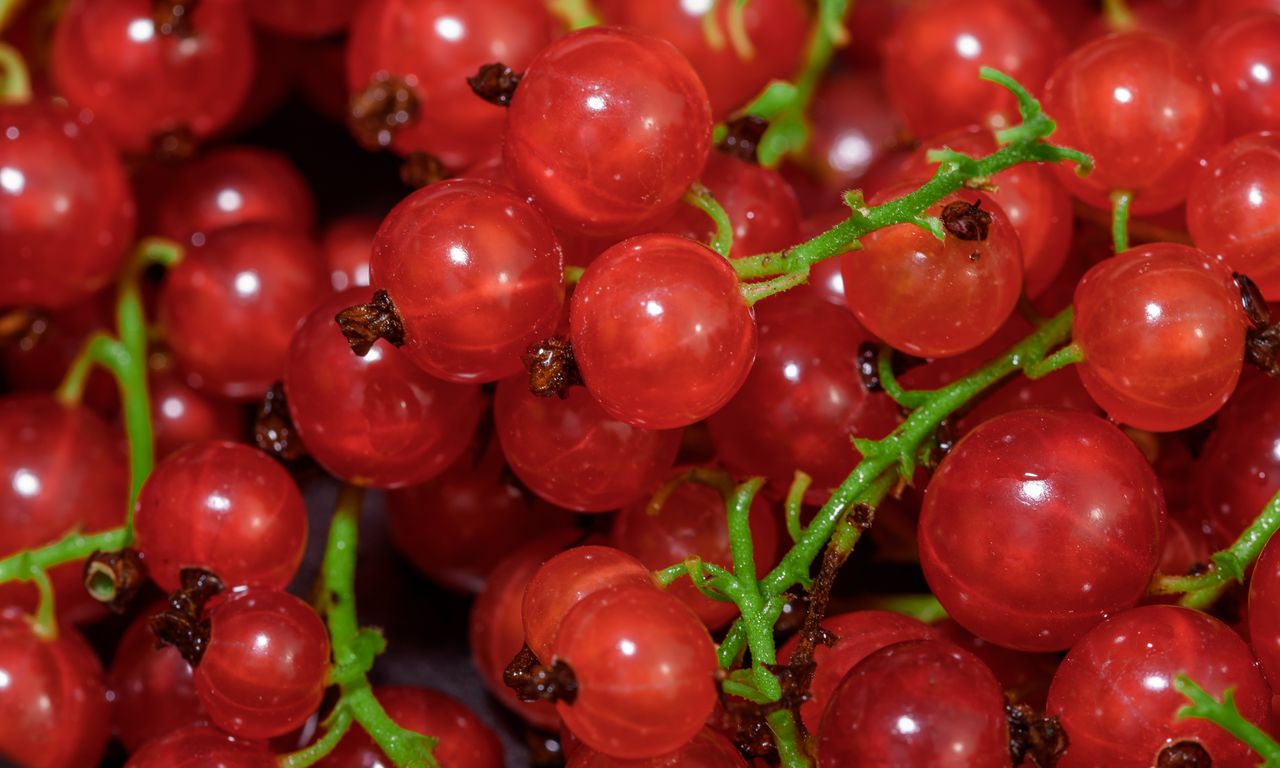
(846, 537)
(1226, 716)
(15, 82)
(787, 738)
(1117, 15)
(572, 274)
(701, 198)
(1121, 200)
(925, 608)
(353, 649)
(336, 726)
(1227, 566)
(576, 14)
(23, 565)
(889, 382)
(795, 503)
(1068, 355)
(45, 619)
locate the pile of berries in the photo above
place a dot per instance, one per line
(775, 382)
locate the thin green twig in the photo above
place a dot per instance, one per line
(1226, 716)
(1121, 200)
(701, 198)
(15, 82)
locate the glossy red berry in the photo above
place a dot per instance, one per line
(852, 127)
(607, 130)
(1024, 676)
(486, 516)
(661, 333)
(61, 469)
(571, 453)
(152, 687)
(691, 523)
(933, 55)
(760, 204)
(199, 747)
(53, 706)
(66, 211)
(264, 670)
(857, 635)
(1037, 205)
(931, 297)
(1031, 484)
(1238, 470)
(1162, 334)
(231, 306)
(1241, 57)
(180, 415)
(1233, 204)
(1264, 611)
(1139, 107)
(223, 507)
(645, 668)
(464, 741)
(347, 243)
(803, 400)
(916, 704)
(434, 47)
(377, 420)
(1114, 692)
(476, 275)
(567, 579)
(236, 185)
(304, 18)
(777, 31)
(707, 750)
(112, 58)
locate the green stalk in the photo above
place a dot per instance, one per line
(701, 198)
(15, 82)
(1226, 716)
(576, 14)
(1121, 200)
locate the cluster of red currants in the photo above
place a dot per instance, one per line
(561, 354)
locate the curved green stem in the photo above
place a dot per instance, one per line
(572, 274)
(1117, 15)
(45, 619)
(787, 738)
(701, 198)
(1226, 716)
(889, 382)
(1068, 355)
(15, 82)
(1227, 566)
(925, 608)
(74, 546)
(576, 14)
(795, 504)
(1121, 200)
(336, 726)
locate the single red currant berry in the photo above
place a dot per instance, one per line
(1238, 470)
(346, 243)
(1241, 57)
(707, 750)
(1264, 611)
(199, 746)
(304, 18)
(760, 204)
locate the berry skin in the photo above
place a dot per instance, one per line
(1162, 334)
(1240, 56)
(110, 57)
(378, 420)
(199, 747)
(1238, 469)
(1030, 484)
(707, 750)
(264, 670)
(346, 243)
(304, 18)
(1114, 692)
(1137, 104)
(476, 275)
(223, 507)
(760, 204)
(1264, 611)
(607, 130)
(181, 416)
(66, 211)
(645, 668)
(661, 333)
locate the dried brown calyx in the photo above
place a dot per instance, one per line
(495, 83)
(182, 624)
(1184, 754)
(1036, 739)
(22, 326)
(364, 324)
(552, 367)
(378, 112)
(421, 169)
(173, 17)
(742, 137)
(1262, 341)
(273, 429)
(112, 578)
(534, 681)
(869, 366)
(965, 220)
(174, 145)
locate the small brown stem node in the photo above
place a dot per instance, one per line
(112, 578)
(743, 137)
(181, 624)
(533, 681)
(273, 429)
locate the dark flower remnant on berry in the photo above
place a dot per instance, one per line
(364, 324)
(552, 368)
(495, 83)
(966, 220)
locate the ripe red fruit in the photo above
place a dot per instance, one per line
(464, 741)
(707, 750)
(476, 275)
(111, 57)
(1264, 611)
(198, 747)
(645, 668)
(53, 706)
(1137, 104)
(1162, 332)
(607, 130)
(62, 470)
(661, 333)
(916, 704)
(1115, 697)
(181, 416)
(434, 47)
(377, 420)
(567, 579)
(347, 243)
(930, 297)
(760, 204)
(265, 668)
(66, 211)
(852, 126)
(934, 53)
(571, 453)
(231, 306)
(224, 507)
(1233, 205)
(1238, 470)
(1241, 57)
(1031, 484)
(304, 18)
